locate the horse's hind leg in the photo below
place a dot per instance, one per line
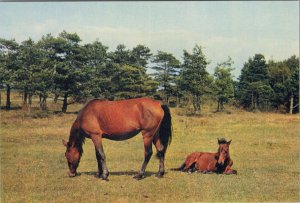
(147, 155)
(161, 155)
(192, 168)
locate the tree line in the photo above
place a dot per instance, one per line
(63, 69)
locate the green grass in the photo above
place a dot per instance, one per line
(265, 151)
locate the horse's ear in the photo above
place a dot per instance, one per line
(218, 141)
(64, 142)
(229, 142)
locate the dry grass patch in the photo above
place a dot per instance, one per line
(265, 151)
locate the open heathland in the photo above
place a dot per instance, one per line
(264, 148)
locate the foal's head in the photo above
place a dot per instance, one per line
(223, 151)
(73, 157)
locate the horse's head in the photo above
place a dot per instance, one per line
(73, 157)
(223, 151)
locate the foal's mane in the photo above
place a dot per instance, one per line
(222, 141)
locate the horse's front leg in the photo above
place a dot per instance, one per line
(100, 155)
(228, 169)
(147, 155)
(231, 171)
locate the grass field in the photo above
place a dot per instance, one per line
(265, 151)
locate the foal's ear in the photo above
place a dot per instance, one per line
(64, 142)
(229, 142)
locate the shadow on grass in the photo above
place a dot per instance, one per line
(118, 173)
(11, 108)
(61, 113)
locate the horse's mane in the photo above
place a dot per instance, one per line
(76, 138)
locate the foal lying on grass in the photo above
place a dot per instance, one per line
(207, 162)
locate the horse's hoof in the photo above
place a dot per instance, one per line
(159, 175)
(104, 176)
(233, 172)
(98, 175)
(138, 176)
(105, 179)
(72, 175)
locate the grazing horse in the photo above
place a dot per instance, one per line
(120, 120)
(206, 162)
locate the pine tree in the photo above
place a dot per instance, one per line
(139, 56)
(132, 83)
(70, 77)
(167, 68)
(130, 78)
(194, 77)
(254, 91)
(224, 84)
(8, 65)
(98, 70)
(284, 79)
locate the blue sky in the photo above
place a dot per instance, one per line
(238, 29)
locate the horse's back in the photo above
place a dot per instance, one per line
(115, 117)
(98, 106)
(191, 159)
(206, 162)
(202, 160)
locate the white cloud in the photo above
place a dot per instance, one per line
(130, 37)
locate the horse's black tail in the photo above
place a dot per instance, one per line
(165, 129)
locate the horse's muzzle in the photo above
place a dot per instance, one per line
(221, 163)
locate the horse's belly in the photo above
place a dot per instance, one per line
(121, 136)
(206, 166)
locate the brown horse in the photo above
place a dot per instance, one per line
(120, 120)
(206, 162)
